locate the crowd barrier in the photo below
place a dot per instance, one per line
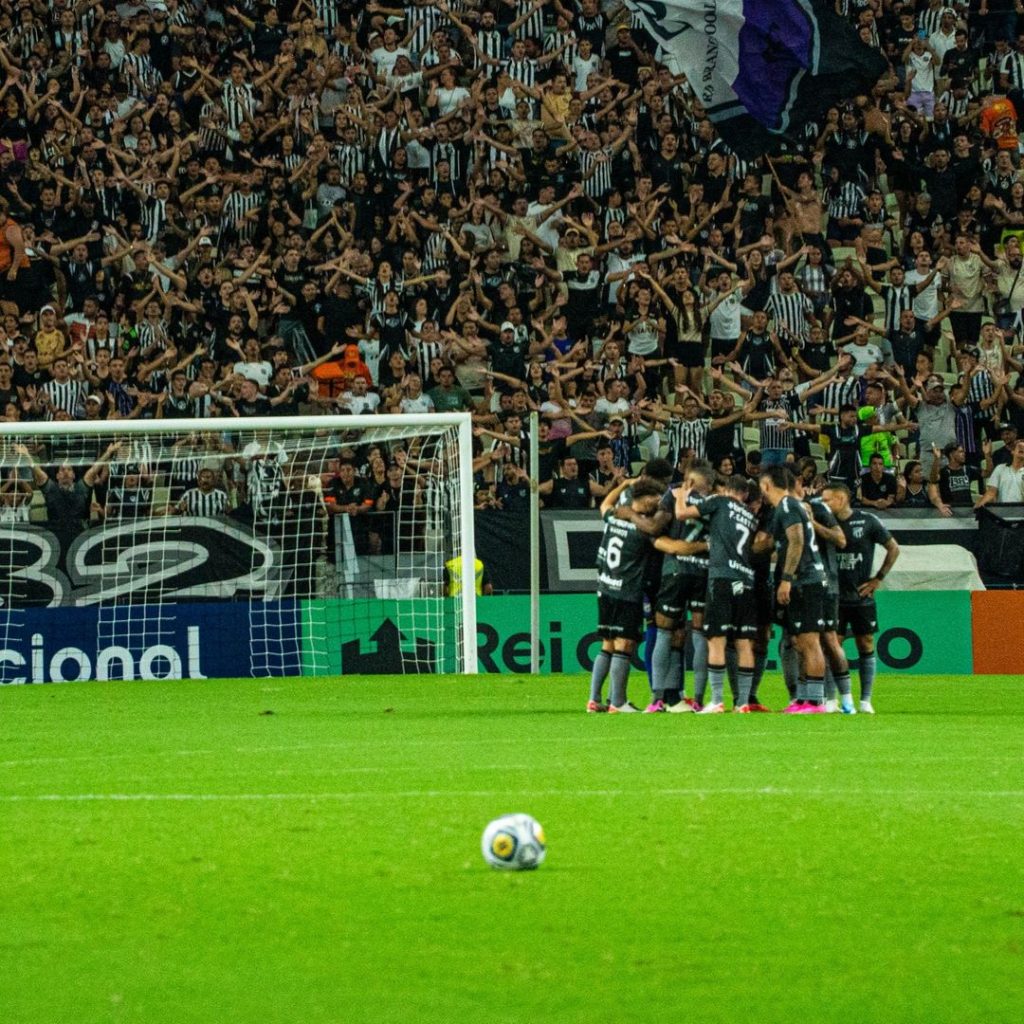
(569, 542)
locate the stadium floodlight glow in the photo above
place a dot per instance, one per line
(201, 513)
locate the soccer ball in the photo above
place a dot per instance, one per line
(514, 842)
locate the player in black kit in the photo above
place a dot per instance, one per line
(800, 583)
(857, 584)
(831, 541)
(684, 584)
(621, 563)
(729, 611)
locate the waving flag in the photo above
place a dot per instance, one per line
(760, 67)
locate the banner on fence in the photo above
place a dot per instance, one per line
(180, 641)
(920, 633)
(997, 634)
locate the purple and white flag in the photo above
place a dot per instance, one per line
(760, 68)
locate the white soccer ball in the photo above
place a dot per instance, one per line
(514, 842)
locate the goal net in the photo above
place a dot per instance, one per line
(260, 547)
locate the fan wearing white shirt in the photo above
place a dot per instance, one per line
(385, 56)
(584, 64)
(1006, 482)
(862, 351)
(358, 400)
(414, 398)
(614, 401)
(253, 367)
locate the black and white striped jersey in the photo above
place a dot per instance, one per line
(557, 40)
(897, 299)
(422, 22)
(351, 159)
(234, 209)
(838, 393)
(533, 26)
(450, 152)
(814, 280)
(65, 396)
(683, 435)
(239, 103)
(792, 312)
(524, 71)
(929, 18)
(424, 352)
(139, 74)
(212, 137)
(490, 45)
(845, 200)
(195, 502)
(153, 335)
(328, 13)
(773, 432)
(153, 214)
(94, 344)
(981, 387)
(596, 163)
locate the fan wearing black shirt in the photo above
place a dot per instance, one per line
(950, 487)
(249, 401)
(288, 391)
(513, 490)
(8, 392)
(752, 211)
(877, 487)
(347, 494)
(566, 490)
(584, 288)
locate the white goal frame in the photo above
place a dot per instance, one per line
(232, 425)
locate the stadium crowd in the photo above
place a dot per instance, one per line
(508, 206)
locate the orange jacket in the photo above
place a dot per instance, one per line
(336, 375)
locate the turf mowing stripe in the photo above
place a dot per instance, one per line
(418, 794)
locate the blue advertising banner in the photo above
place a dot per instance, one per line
(179, 641)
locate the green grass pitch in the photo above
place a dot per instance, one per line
(173, 852)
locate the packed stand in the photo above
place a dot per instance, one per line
(507, 207)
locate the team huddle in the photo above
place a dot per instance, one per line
(723, 559)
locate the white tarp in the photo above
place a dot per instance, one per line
(931, 567)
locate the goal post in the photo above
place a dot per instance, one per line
(230, 547)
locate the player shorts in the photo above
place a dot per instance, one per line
(858, 619)
(679, 592)
(805, 612)
(831, 608)
(730, 610)
(619, 620)
(763, 609)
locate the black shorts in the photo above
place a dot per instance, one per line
(831, 613)
(688, 353)
(730, 610)
(858, 619)
(805, 612)
(619, 620)
(679, 592)
(722, 346)
(763, 602)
